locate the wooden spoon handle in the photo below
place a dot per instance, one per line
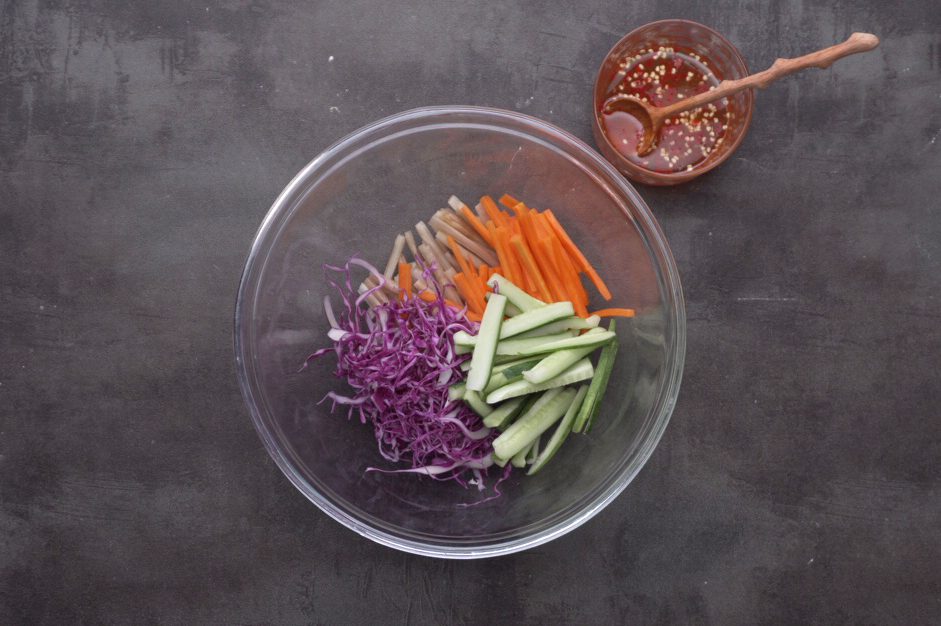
(856, 43)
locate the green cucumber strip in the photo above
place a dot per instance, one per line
(476, 403)
(524, 363)
(511, 309)
(461, 348)
(536, 318)
(586, 415)
(566, 323)
(503, 414)
(519, 459)
(550, 343)
(522, 323)
(519, 298)
(543, 414)
(456, 391)
(533, 453)
(575, 374)
(465, 365)
(506, 374)
(504, 359)
(498, 461)
(557, 362)
(487, 336)
(560, 434)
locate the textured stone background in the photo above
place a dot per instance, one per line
(141, 141)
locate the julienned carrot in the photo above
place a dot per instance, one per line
(462, 262)
(492, 210)
(513, 273)
(615, 312)
(483, 274)
(474, 317)
(427, 296)
(552, 274)
(530, 264)
(470, 291)
(405, 279)
(508, 201)
(477, 224)
(577, 254)
(526, 280)
(570, 277)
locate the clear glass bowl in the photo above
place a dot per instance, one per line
(726, 63)
(354, 198)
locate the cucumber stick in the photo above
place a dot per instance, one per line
(566, 323)
(523, 322)
(519, 459)
(456, 391)
(476, 403)
(502, 415)
(506, 374)
(561, 432)
(519, 298)
(575, 374)
(487, 336)
(589, 408)
(558, 362)
(542, 415)
(550, 343)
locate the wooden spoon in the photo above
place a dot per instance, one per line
(652, 117)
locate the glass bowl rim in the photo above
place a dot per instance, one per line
(666, 399)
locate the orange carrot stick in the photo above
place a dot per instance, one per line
(500, 250)
(405, 280)
(492, 210)
(428, 296)
(570, 276)
(530, 264)
(508, 201)
(462, 261)
(469, 291)
(614, 312)
(474, 317)
(552, 274)
(577, 254)
(474, 221)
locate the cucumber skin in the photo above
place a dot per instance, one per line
(561, 432)
(540, 418)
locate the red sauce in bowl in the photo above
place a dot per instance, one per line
(662, 76)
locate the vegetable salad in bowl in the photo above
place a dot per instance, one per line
(471, 352)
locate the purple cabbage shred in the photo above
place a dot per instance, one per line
(399, 360)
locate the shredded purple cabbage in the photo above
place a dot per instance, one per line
(399, 360)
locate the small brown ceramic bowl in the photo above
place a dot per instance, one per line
(726, 63)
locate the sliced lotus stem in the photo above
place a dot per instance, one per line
(455, 203)
(425, 233)
(437, 268)
(443, 216)
(392, 263)
(435, 249)
(479, 210)
(371, 299)
(372, 282)
(482, 252)
(459, 222)
(410, 241)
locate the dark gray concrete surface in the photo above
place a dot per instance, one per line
(141, 141)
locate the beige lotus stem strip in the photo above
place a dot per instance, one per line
(481, 252)
(455, 221)
(397, 248)
(428, 238)
(410, 241)
(459, 223)
(479, 210)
